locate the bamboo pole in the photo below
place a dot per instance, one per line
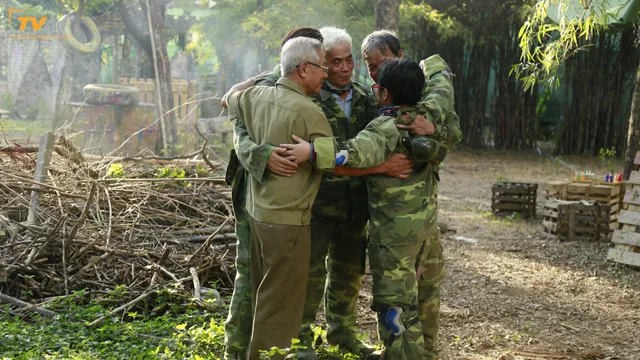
(155, 67)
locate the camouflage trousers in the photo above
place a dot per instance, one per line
(407, 273)
(338, 248)
(239, 321)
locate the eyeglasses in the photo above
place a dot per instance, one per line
(324, 68)
(375, 86)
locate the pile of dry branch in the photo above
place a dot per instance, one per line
(93, 231)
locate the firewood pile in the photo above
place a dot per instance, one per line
(101, 223)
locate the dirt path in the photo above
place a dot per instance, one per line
(518, 294)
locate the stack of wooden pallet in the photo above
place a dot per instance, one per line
(607, 195)
(576, 220)
(626, 240)
(514, 197)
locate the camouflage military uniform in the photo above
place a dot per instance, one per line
(338, 230)
(437, 105)
(254, 159)
(401, 216)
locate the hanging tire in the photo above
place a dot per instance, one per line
(71, 43)
(111, 94)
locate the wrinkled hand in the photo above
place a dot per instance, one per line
(279, 165)
(397, 165)
(420, 126)
(298, 153)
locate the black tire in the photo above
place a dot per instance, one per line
(111, 94)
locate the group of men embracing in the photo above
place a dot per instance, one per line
(325, 172)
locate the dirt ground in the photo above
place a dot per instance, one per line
(518, 293)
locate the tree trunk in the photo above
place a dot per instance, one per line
(164, 66)
(164, 71)
(634, 129)
(388, 14)
(63, 92)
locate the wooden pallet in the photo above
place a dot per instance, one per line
(580, 221)
(510, 197)
(605, 193)
(550, 218)
(550, 215)
(625, 242)
(583, 221)
(632, 190)
(631, 196)
(555, 190)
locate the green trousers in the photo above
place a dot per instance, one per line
(338, 248)
(239, 321)
(279, 267)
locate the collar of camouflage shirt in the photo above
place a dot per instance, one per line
(358, 91)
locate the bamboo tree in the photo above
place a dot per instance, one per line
(546, 46)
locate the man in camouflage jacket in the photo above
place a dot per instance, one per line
(443, 126)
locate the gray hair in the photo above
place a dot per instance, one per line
(333, 36)
(296, 51)
(384, 40)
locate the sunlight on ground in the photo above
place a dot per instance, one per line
(518, 289)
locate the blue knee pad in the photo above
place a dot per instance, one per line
(390, 318)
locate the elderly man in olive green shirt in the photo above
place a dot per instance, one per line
(280, 209)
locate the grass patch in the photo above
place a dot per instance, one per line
(180, 332)
(507, 220)
(25, 128)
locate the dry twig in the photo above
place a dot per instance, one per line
(113, 232)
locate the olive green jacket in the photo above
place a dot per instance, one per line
(271, 115)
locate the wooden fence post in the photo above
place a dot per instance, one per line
(42, 165)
